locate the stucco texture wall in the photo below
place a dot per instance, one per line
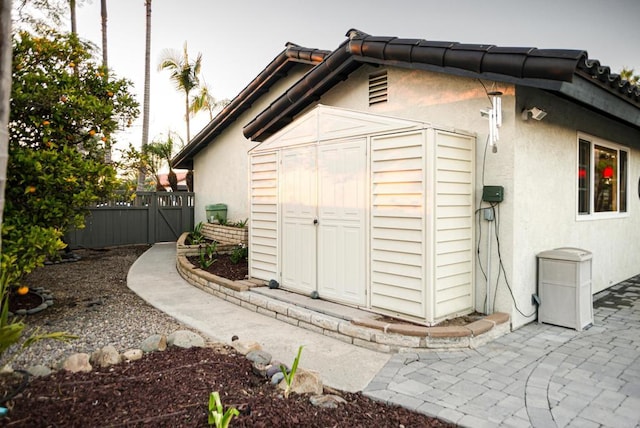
(536, 162)
(221, 169)
(546, 194)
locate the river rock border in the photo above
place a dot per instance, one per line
(307, 382)
(367, 333)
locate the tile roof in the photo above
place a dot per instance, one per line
(550, 69)
(273, 72)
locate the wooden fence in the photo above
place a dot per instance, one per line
(147, 218)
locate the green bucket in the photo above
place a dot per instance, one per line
(216, 212)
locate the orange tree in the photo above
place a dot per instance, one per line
(63, 112)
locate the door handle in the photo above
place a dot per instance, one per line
(315, 221)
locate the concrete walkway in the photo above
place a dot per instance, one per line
(343, 366)
(537, 376)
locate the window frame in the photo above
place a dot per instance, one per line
(622, 178)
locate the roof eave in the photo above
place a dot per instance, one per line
(274, 71)
(601, 100)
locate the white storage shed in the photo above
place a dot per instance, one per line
(367, 210)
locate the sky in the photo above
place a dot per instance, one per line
(237, 39)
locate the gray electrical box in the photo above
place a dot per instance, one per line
(564, 288)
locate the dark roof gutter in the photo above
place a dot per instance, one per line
(547, 69)
(274, 71)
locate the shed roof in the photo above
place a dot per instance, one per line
(569, 73)
(272, 73)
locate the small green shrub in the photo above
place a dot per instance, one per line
(196, 235)
(288, 377)
(239, 253)
(207, 254)
(217, 416)
(240, 223)
(221, 220)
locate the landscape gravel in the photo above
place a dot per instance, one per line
(91, 301)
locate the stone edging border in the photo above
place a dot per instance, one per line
(367, 333)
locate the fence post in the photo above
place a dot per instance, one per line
(153, 217)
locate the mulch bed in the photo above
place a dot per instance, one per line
(171, 389)
(224, 267)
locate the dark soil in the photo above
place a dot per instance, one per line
(27, 301)
(224, 267)
(171, 388)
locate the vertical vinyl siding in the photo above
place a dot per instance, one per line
(263, 235)
(453, 224)
(397, 224)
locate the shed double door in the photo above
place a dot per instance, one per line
(323, 220)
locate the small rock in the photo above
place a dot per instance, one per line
(77, 363)
(155, 342)
(260, 369)
(95, 302)
(259, 356)
(273, 369)
(277, 378)
(39, 370)
(328, 401)
(132, 355)
(185, 339)
(105, 356)
(234, 338)
(6, 369)
(245, 347)
(305, 382)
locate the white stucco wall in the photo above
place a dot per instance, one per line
(546, 197)
(536, 162)
(221, 169)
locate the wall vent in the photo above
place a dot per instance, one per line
(378, 88)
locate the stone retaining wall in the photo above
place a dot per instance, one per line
(367, 333)
(226, 234)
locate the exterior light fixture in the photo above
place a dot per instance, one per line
(536, 113)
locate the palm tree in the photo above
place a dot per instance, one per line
(103, 15)
(74, 23)
(204, 100)
(160, 152)
(628, 74)
(147, 90)
(183, 73)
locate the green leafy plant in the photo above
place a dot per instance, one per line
(217, 415)
(289, 376)
(241, 224)
(64, 110)
(196, 235)
(239, 253)
(221, 220)
(207, 254)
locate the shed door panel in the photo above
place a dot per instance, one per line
(298, 196)
(398, 224)
(341, 230)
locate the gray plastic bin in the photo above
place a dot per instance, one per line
(564, 288)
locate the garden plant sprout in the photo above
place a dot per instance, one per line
(217, 415)
(288, 377)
